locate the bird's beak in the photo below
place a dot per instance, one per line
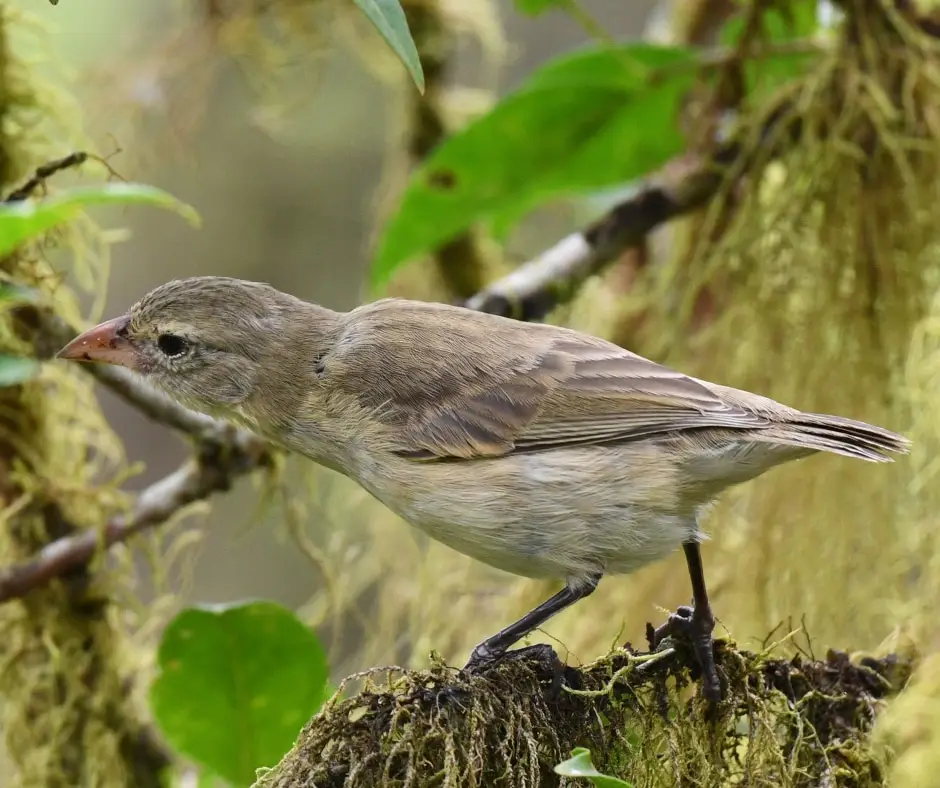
(106, 343)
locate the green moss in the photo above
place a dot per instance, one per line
(782, 723)
(67, 717)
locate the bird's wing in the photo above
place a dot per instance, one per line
(508, 387)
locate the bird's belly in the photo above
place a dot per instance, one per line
(564, 513)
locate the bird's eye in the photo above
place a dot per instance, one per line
(171, 345)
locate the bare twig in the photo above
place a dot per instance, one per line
(47, 170)
(217, 465)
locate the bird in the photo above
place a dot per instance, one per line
(534, 448)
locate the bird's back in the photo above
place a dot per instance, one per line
(454, 383)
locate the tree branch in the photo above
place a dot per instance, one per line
(525, 714)
(218, 463)
(684, 185)
(531, 291)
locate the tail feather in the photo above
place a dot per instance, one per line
(839, 435)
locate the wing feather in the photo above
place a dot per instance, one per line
(489, 386)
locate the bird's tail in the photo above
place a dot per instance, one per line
(819, 432)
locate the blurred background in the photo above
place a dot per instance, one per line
(293, 148)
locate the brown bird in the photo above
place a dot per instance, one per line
(536, 449)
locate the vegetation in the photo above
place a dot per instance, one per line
(758, 202)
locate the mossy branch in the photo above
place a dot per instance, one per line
(67, 715)
(217, 463)
(797, 722)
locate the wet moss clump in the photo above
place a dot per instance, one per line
(783, 722)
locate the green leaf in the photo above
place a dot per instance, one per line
(26, 219)
(586, 121)
(580, 765)
(536, 7)
(16, 369)
(236, 685)
(16, 293)
(798, 20)
(389, 19)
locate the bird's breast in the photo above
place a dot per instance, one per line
(543, 514)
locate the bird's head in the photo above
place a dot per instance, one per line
(207, 342)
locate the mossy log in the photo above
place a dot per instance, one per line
(783, 722)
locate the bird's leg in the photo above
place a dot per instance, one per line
(696, 624)
(494, 647)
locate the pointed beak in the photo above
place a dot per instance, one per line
(106, 343)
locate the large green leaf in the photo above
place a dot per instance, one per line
(236, 685)
(589, 120)
(389, 19)
(580, 765)
(26, 219)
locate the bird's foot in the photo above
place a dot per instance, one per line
(696, 627)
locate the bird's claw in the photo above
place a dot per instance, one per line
(678, 623)
(481, 658)
(696, 627)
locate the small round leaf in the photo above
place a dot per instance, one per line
(580, 765)
(236, 685)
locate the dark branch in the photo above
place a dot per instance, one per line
(536, 288)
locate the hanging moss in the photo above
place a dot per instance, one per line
(66, 713)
